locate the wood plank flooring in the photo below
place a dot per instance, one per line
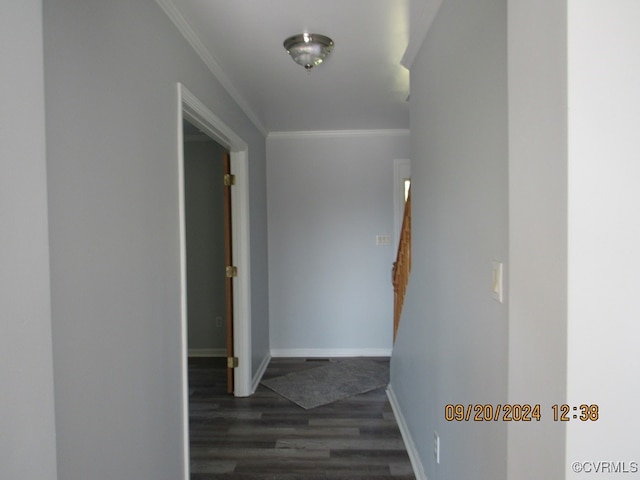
(266, 436)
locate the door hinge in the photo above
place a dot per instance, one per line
(231, 271)
(232, 362)
(229, 180)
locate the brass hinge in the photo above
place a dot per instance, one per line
(229, 180)
(231, 271)
(232, 362)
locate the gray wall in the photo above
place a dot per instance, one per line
(537, 232)
(573, 260)
(111, 70)
(27, 438)
(204, 210)
(330, 285)
(452, 341)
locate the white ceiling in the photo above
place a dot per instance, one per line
(360, 86)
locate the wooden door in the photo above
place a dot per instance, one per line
(229, 262)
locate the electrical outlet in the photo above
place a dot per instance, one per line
(436, 446)
(218, 322)
(383, 240)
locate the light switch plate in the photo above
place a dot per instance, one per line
(497, 281)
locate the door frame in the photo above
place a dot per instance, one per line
(193, 110)
(401, 170)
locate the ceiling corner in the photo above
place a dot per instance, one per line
(192, 38)
(422, 17)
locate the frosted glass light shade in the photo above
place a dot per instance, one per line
(308, 49)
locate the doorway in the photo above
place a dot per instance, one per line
(190, 108)
(208, 239)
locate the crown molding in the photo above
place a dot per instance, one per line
(419, 28)
(192, 38)
(339, 133)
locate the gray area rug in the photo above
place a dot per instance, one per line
(333, 381)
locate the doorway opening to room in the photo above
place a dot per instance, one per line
(193, 111)
(207, 206)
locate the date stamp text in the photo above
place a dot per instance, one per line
(487, 412)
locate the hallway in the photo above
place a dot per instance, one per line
(268, 437)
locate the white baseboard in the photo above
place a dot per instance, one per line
(207, 352)
(330, 352)
(257, 378)
(416, 464)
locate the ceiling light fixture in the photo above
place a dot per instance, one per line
(308, 49)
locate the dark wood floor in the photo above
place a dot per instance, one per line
(268, 437)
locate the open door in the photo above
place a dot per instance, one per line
(230, 271)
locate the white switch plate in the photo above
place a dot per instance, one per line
(496, 281)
